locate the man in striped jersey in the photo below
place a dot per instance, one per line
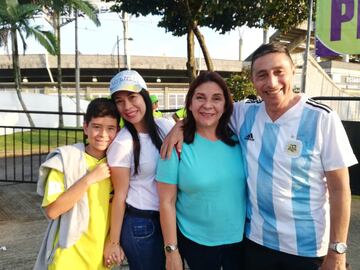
(297, 155)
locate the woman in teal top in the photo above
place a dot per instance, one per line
(202, 191)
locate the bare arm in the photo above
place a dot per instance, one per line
(67, 200)
(340, 208)
(175, 137)
(167, 194)
(120, 178)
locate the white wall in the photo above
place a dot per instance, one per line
(37, 102)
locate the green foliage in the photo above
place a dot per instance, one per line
(66, 7)
(222, 16)
(280, 14)
(182, 17)
(18, 17)
(240, 85)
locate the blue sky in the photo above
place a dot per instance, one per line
(148, 39)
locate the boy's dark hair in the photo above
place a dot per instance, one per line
(273, 47)
(101, 107)
(151, 127)
(223, 131)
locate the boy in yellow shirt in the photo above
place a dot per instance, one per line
(76, 188)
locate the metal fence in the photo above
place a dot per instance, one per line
(24, 148)
(348, 109)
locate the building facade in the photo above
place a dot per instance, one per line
(166, 77)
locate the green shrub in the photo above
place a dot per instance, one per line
(240, 85)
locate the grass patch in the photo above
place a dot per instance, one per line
(37, 141)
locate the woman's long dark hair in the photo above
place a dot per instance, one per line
(223, 132)
(151, 128)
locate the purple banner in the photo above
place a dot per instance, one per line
(323, 51)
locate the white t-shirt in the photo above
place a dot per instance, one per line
(142, 192)
(286, 159)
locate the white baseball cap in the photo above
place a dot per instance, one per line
(127, 80)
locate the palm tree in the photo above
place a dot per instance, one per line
(55, 8)
(15, 19)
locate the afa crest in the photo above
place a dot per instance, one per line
(293, 148)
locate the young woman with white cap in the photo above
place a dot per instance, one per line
(133, 157)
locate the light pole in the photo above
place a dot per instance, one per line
(124, 18)
(77, 70)
(127, 64)
(118, 52)
(241, 43)
(125, 21)
(307, 49)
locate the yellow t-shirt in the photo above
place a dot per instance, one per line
(157, 114)
(181, 113)
(121, 123)
(87, 252)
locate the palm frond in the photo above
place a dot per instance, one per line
(85, 7)
(45, 38)
(23, 40)
(4, 37)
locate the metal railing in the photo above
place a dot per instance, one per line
(24, 148)
(347, 107)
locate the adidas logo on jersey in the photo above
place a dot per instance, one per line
(249, 137)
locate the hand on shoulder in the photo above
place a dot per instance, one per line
(174, 138)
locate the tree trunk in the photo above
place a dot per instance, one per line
(201, 40)
(192, 23)
(17, 75)
(190, 64)
(59, 72)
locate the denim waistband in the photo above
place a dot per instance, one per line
(130, 210)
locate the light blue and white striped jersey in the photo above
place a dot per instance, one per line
(288, 208)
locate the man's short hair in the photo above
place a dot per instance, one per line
(273, 47)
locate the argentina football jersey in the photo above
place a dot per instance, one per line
(285, 160)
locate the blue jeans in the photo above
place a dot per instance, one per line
(142, 240)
